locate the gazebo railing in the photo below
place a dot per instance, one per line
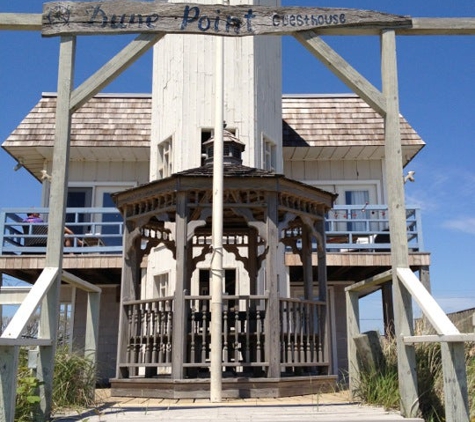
(302, 333)
(149, 341)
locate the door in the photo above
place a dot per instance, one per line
(78, 197)
(356, 218)
(109, 225)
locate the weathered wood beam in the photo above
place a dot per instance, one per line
(362, 287)
(92, 326)
(20, 21)
(57, 216)
(455, 381)
(79, 283)
(25, 342)
(434, 338)
(272, 324)
(352, 330)
(124, 16)
(179, 318)
(431, 309)
(440, 26)
(8, 381)
(342, 69)
(31, 303)
(403, 316)
(420, 26)
(107, 73)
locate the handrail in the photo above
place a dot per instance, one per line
(95, 230)
(349, 228)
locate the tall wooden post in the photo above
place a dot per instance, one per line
(324, 331)
(128, 291)
(307, 262)
(397, 226)
(272, 325)
(179, 312)
(54, 252)
(8, 381)
(353, 330)
(388, 309)
(322, 261)
(92, 326)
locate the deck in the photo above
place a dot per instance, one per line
(358, 243)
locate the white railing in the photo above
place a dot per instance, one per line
(351, 228)
(94, 230)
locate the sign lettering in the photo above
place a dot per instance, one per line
(71, 18)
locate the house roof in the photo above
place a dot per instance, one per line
(117, 126)
(338, 126)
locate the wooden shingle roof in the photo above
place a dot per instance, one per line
(343, 122)
(117, 127)
(336, 120)
(105, 120)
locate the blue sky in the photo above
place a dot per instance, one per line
(437, 97)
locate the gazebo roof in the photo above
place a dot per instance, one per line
(243, 186)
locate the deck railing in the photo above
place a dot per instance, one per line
(353, 228)
(95, 230)
(149, 341)
(349, 228)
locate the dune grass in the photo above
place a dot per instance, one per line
(379, 385)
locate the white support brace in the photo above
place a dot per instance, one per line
(31, 303)
(434, 313)
(113, 68)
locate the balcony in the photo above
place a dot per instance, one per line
(99, 230)
(95, 231)
(357, 228)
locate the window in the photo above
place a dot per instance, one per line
(269, 154)
(357, 197)
(165, 159)
(161, 285)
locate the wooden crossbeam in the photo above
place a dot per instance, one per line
(420, 26)
(434, 338)
(67, 18)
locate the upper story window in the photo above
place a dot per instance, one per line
(165, 158)
(269, 155)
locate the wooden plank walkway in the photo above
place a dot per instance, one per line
(334, 407)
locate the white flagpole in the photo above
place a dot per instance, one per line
(217, 231)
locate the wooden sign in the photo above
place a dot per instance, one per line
(126, 17)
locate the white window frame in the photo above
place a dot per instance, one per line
(340, 186)
(161, 284)
(165, 158)
(269, 153)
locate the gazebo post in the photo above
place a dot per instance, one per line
(272, 285)
(307, 262)
(128, 291)
(179, 320)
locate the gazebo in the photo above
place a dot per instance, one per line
(271, 343)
